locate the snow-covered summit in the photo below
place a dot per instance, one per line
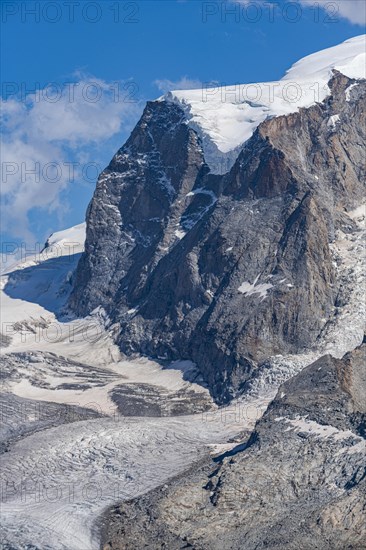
(62, 241)
(349, 58)
(227, 116)
(42, 277)
(67, 242)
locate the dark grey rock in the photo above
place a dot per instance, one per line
(148, 400)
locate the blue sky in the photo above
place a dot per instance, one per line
(75, 76)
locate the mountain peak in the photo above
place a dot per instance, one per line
(226, 116)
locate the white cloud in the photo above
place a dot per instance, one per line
(46, 131)
(185, 83)
(353, 10)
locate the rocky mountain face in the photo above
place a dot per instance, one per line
(298, 483)
(224, 270)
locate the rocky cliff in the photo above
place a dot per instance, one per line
(227, 269)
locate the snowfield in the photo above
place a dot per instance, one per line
(227, 116)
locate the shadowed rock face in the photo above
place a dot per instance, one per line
(224, 270)
(300, 483)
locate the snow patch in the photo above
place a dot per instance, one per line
(179, 233)
(302, 424)
(349, 89)
(333, 121)
(250, 289)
